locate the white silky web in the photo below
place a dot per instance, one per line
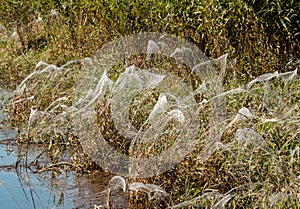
(6, 132)
(110, 90)
(174, 113)
(160, 107)
(117, 182)
(211, 73)
(243, 114)
(128, 85)
(248, 136)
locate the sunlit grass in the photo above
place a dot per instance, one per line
(255, 165)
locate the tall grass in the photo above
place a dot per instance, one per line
(255, 165)
(263, 36)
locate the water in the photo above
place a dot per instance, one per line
(22, 187)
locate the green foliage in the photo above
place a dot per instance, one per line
(262, 35)
(281, 22)
(248, 29)
(281, 16)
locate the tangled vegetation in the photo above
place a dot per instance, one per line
(255, 165)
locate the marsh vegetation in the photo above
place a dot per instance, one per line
(256, 162)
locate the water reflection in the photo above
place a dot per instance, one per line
(22, 187)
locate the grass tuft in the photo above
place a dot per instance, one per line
(256, 162)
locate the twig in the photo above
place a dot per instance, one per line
(54, 166)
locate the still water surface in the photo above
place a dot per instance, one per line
(21, 187)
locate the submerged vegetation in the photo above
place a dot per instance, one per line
(256, 164)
